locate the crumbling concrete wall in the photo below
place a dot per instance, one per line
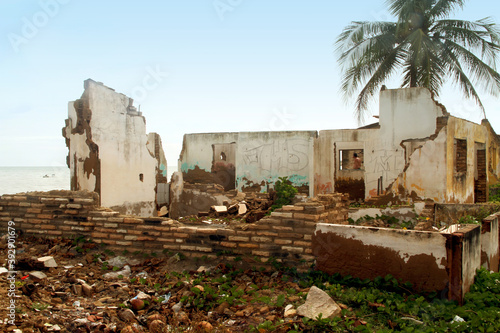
(406, 115)
(252, 160)
(110, 152)
(431, 261)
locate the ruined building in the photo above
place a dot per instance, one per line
(416, 151)
(111, 154)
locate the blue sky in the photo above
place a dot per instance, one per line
(192, 66)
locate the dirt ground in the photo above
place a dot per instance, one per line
(77, 296)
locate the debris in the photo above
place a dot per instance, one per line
(458, 319)
(48, 261)
(125, 272)
(205, 326)
(219, 209)
(87, 290)
(157, 326)
(28, 289)
(127, 315)
(76, 304)
(137, 304)
(414, 320)
(242, 208)
(290, 312)
(117, 262)
(163, 211)
(318, 302)
(177, 307)
(3, 270)
(165, 298)
(37, 276)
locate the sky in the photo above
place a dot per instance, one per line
(193, 66)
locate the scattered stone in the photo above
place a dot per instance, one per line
(127, 315)
(318, 302)
(200, 288)
(37, 276)
(48, 261)
(137, 304)
(205, 326)
(157, 326)
(117, 262)
(125, 272)
(219, 209)
(163, 211)
(87, 290)
(290, 313)
(202, 269)
(77, 289)
(242, 209)
(177, 307)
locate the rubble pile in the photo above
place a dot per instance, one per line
(77, 286)
(246, 207)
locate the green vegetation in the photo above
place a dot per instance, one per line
(380, 305)
(285, 192)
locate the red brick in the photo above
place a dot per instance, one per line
(47, 226)
(228, 244)
(249, 245)
(132, 220)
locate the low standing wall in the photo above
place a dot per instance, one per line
(431, 261)
(286, 234)
(490, 243)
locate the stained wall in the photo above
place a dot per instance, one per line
(110, 152)
(257, 159)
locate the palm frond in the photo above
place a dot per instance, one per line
(443, 8)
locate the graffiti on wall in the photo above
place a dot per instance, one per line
(289, 155)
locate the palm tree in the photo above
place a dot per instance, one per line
(423, 46)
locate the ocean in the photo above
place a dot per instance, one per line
(27, 179)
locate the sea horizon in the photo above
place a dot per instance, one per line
(23, 179)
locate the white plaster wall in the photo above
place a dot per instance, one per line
(407, 114)
(260, 156)
(426, 173)
(123, 152)
(270, 155)
(407, 243)
(327, 148)
(197, 149)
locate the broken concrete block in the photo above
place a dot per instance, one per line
(242, 209)
(318, 302)
(48, 261)
(87, 290)
(219, 209)
(37, 276)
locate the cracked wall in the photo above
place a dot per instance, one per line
(249, 161)
(110, 152)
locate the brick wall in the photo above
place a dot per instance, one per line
(286, 234)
